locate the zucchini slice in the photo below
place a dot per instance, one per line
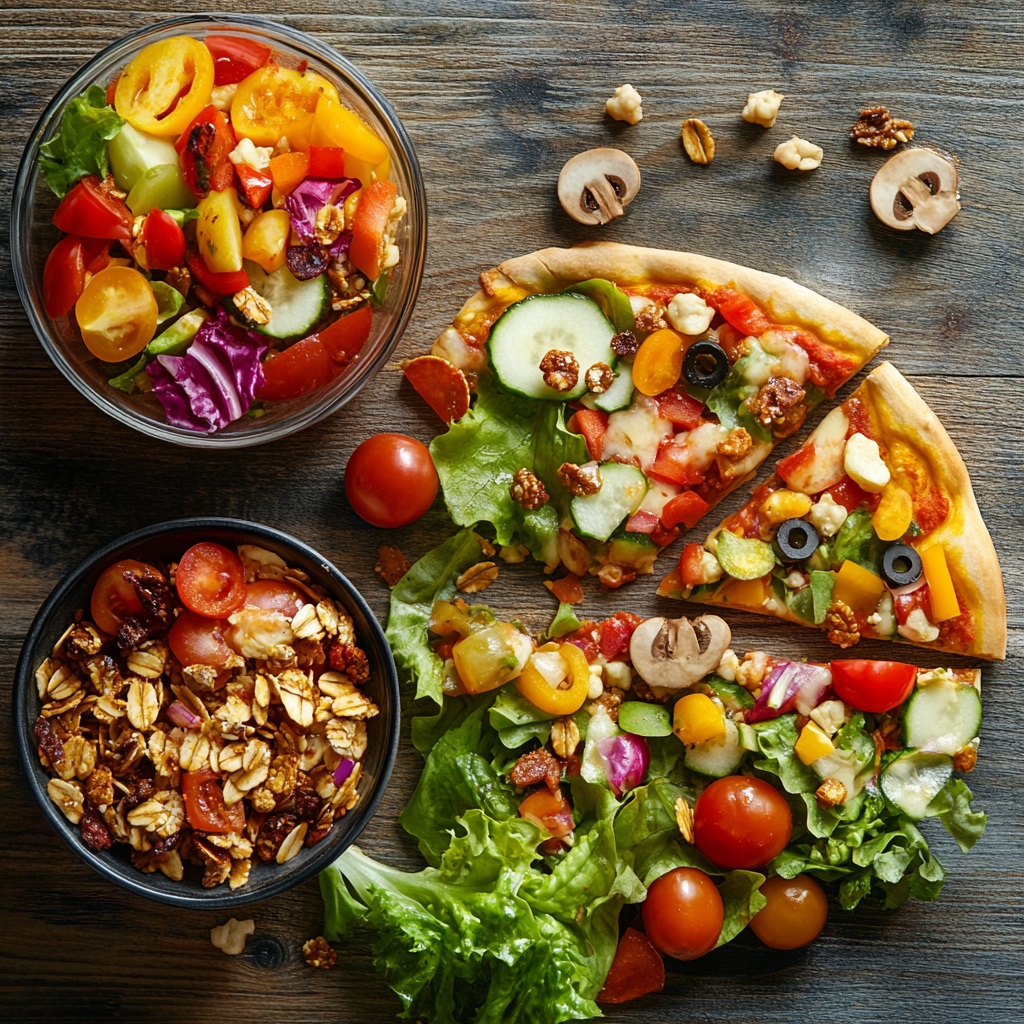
(719, 757)
(295, 306)
(622, 490)
(942, 716)
(912, 781)
(744, 558)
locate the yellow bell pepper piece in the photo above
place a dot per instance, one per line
(813, 743)
(784, 504)
(857, 587)
(336, 125)
(892, 517)
(698, 719)
(747, 592)
(936, 571)
(536, 689)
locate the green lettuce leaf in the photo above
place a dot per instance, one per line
(952, 805)
(777, 737)
(614, 303)
(565, 621)
(125, 381)
(727, 401)
(80, 145)
(858, 542)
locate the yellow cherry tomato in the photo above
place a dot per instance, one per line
(697, 719)
(266, 240)
(116, 314)
(336, 125)
(659, 362)
(892, 517)
(536, 688)
(275, 101)
(165, 86)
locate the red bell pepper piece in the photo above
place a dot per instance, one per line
(327, 162)
(367, 249)
(690, 571)
(637, 970)
(64, 273)
(164, 241)
(674, 464)
(300, 370)
(686, 508)
(642, 521)
(218, 284)
(235, 58)
(593, 425)
(739, 310)
(679, 408)
(89, 210)
(256, 185)
(204, 147)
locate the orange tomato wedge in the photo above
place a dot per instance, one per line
(658, 363)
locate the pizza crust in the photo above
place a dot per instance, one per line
(787, 302)
(900, 415)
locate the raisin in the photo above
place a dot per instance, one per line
(307, 261)
(273, 833)
(153, 592)
(95, 833)
(49, 743)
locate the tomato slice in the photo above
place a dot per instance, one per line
(164, 241)
(367, 249)
(211, 580)
(273, 595)
(686, 508)
(204, 803)
(636, 971)
(345, 338)
(255, 185)
(198, 640)
(326, 162)
(300, 370)
(690, 565)
(548, 810)
(116, 314)
(593, 425)
(674, 464)
(873, 686)
(92, 212)
(676, 406)
(64, 273)
(739, 310)
(235, 58)
(204, 147)
(218, 284)
(615, 634)
(114, 598)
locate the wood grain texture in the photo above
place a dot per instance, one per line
(496, 96)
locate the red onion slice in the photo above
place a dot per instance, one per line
(344, 770)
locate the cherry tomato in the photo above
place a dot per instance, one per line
(272, 595)
(211, 580)
(636, 970)
(227, 283)
(235, 58)
(164, 241)
(659, 362)
(204, 803)
(548, 810)
(64, 273)
(275, 101)
(299, 370)
(390, 480)
(114, 598)
(116, 314)
(344, 339)
(92, 212)
(197, 640)
(691, 565)
(794, 914)
(204, 147)
(873, 686)
(683, 913)
(741, 823)
(367, 249)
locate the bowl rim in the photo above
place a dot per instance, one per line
(23, 687)
(22, 200)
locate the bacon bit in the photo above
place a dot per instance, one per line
(442, 385)
(391, 565)
(636, 971)
(567, 589)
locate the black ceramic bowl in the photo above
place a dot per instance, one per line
(166, 541)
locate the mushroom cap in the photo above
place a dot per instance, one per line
(594, 186)
(916, 189)
(675, 654)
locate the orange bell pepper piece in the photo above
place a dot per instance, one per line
(288, 171)
(366, 251)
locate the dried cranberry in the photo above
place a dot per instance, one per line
(95, 833)
(307, 261)
(49, 743)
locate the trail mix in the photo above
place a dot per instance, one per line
(206, 711)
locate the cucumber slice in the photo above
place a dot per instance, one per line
(942, 716)
(644, 719)
(132, 153)
(635, 550)
(719, 757)
(912, 781)
(295, 306)
(622, 490)
(732, 695)
(744, 558)
(529, 329)
(747, 736)
(618, 396)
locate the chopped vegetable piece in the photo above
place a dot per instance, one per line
(345, 338)
(873, 686)
(299, 370)
(235, 58)
(593, 425)
(697, 719)
(858, 587)
(203, 149)
(549, 811)
(686, 508)
(326, 162)
(744, 558)
(676, 406)
(567, 589)
(367, 250)
(636, 971)
(218, 284)
(739, 310)
(288, 171)
(936, 571)
(533, 683)
(442, 385)
(64, 273)
(164, 241)
(813, 743)
(211, 580)
(116, 314)
(644, 719)
(691, 565)
(256, 186)
(658, 363)
(92, 212)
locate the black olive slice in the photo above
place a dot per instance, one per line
(795, 539)
(901, 565)
(705, 364)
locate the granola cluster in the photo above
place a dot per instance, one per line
(200, 764)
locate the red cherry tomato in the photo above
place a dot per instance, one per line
(300, 370)
(683, 913)
(164, 241)
(218, 284)
(691, 565)
(345, 338)
(390, 480)
(64, 273)
(211, 580)
(794, 914)
(92, 212)
(548, 810)
(741, 823)
(114, 598)
(197, 640)
(873, 686)
(204, 803)
(272, 595)
(636, 970)
(235, 58)
(204, 147)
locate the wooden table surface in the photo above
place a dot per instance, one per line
(496, 96)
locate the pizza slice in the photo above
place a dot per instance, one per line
(621, 392)
(869, 529)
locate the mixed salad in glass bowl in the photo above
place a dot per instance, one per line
(233, 245)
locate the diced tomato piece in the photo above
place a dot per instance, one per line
(567, 589)
(205, 805)
(548, 810)
(326, 162)
(851, 495)
(664, 535)
(930, 508)
(828, 367)
(216, 284)
(345, 338)
(256, 185)
(164, 241)
(636, 971)
(686, 508)
(300, 370)
(204, 147)
(593, 425)
(585, 638)
(64, 273)
(367, 249)
(674, 465)
(690, 571)
(906, 603)
(739, 310)
(91, 211)
(444, 649)
(235, 58)
(800, 459)
(615, 634)
(679, 408)
(642, 521)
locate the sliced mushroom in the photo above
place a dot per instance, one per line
(674, 654)
(916, 189)
(596, 185)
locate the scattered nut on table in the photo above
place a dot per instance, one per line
(798, 154)
(762, 107)
(596, 185)
(625, 105)
(916, 189)
(878, 128)
(698, 141)
(230, 936)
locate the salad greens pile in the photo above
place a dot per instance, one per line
(495, 930)
(80, 146)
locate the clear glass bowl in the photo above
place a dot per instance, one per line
(33, 236)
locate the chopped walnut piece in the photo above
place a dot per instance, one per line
(230, 937)
(83, 642)
(560, 369)
(565, 736)
(877, 127)
(610, 701)
(965, 758)
(330, 222)
(684, 819)
(535, 766)
(841, 624)
(180, 279)
(831, 793)
(737, 445)
(317, 953)
(527, 490)
(599, 378)
(625, 344)
(477, 577)
(778, 405)
(391, 564)
(651, 317)
(580, 481)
